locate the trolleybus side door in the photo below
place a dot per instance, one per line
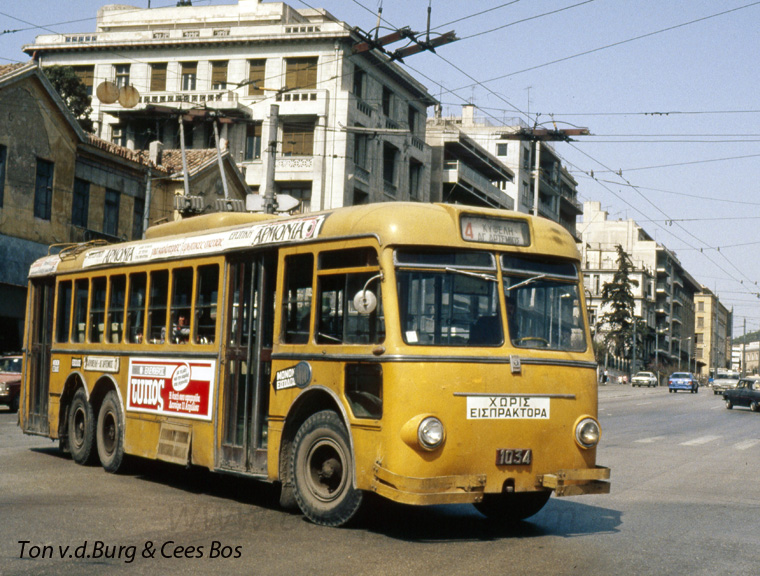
(37, 361)
(247, 363)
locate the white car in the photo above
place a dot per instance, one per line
(644, 379)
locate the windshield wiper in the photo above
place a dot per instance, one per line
(527, 281)
(480, 275)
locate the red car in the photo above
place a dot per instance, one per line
(10, 381)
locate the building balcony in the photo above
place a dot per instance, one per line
(219, 99)
(458, 173)
(302, 102)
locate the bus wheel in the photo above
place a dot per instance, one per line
(110, 433)
(81, 429)
(512, 507)
(323, 471)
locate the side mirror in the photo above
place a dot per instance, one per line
(365, 302)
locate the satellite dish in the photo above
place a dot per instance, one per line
(129, 96)
(107, 92)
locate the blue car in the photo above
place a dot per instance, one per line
(683, 381)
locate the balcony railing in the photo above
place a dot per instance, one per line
(221, 97)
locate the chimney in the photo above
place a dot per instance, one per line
(468, 115)
(154, 152)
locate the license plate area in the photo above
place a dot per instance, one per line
(514, 456)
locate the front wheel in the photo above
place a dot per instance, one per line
(81, 428)
(110, 433)
(323, 471)
(512, 507)
(729, 404)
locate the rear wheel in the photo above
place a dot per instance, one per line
(110, 433)
(754, 406)
(323, 471)
(81, 428)
(512, 507)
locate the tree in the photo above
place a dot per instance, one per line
(617, 297)
(73, 92)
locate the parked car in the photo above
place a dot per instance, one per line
(683, 381)
(644, 379)
(725, 381)
(746, 393)
(10, 381)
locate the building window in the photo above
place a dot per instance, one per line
(387, 101)
(360, 77)
(43, 189)
(80, 203)
(121, 73)
(189, 76)
(501, 149)
(86, 75)
(3, 162)
(219, 75)
(298, 139)
(301, 73)
(119, 135)
(253, 141)
(111, 212)
(390, 156)
(700, 322)
(256, 70)
(158, 77)
(137, 218)
(360, 149)
(525, 194)
(415, 179)
(412, 119)
(300, 191)
(701, 306)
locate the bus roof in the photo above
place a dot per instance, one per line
(392, 223)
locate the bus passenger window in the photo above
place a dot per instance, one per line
(205, 304)
(98, 310)
(115, 324)
(296, 301)
(339, 322)
(64, 312)
(81, 292)
(159, 286)
(182, 294)
(136, 307)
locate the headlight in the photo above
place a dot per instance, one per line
(3, 388)
(430, 433)
(587, 433)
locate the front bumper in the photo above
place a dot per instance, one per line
(469, 489)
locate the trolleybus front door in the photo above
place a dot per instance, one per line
(37, 361)
(247, 365)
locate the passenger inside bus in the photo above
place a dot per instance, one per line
(181, 330)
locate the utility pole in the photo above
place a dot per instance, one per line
(270, 151)
(538, 135)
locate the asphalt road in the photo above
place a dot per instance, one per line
(684, 500)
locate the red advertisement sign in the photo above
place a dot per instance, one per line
(171, 387)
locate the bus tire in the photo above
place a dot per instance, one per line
(512, 507)
(110, 433)
(323, 471)
(81, 429)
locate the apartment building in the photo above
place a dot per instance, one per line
(664, 297)
(350, 125)
(557, 197)
(712, 332)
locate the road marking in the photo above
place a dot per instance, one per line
(747, 444)
(643, 403)
(650, 440)
(699, 441)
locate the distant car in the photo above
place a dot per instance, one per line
(725, 381)
(746, 393)
(10, 381)
(683, 381)
(644, 379)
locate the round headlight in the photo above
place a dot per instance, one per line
(430, 433)
(587, 433)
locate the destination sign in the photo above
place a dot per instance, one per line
(494, 230)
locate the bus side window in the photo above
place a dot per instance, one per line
(205, 304)
(136, 307)
(339, 322)
(115, 324)
(182, 297)
(64, 312)
(296, 301)
(157, 301)
(81, 292)
(98, 310)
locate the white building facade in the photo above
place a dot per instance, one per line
(350, 126)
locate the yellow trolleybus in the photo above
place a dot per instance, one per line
(427, 353)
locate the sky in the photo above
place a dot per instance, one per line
(668, 90)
